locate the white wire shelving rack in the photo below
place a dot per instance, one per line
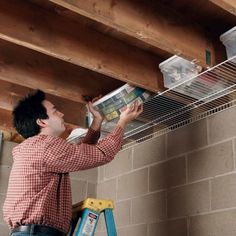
(206, 94)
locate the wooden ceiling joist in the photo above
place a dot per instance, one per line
(157, 27)
(228, 5)
(35, 70)
(31, 27)
(9, 133)
(6, 120)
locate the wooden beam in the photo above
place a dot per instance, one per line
(34, 70)
(6, 120)
(228, 5)
(9, 133)
(159, 27)
(12, 136)
(29, 26)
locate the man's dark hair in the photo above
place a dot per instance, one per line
(26, 113)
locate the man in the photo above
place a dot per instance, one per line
(38, 200)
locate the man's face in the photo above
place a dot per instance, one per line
(55, 121)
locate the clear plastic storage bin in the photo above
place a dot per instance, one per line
(176, 70)
(229, 40)
(111, 105)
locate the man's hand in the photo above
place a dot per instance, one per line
(97, 117)
(131, 113)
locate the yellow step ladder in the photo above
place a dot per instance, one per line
(86, 215)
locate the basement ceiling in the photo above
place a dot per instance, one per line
(73, 49)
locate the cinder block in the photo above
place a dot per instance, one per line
(4, 177)
(169, 228)
(149, 208)
(101, 173)
(222, 125)
(92, 190)
(100, 233)
(79, 190)
(133, 184)
(6, 153)
(167, 174)
(101, 226)
(149, 152)
(4, 230)
(217, 224)
(121, 164)
(189, 199)
(90, 175)
(2, 199)
(187, 138)
(136, 230)
(107, 190)
(122, 213)
(211, 161)
(223, 192)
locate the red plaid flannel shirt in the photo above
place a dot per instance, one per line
(39, 190)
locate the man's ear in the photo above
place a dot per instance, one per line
(41, 123)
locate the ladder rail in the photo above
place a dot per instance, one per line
(110, 222)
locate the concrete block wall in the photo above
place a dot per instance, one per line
(182, 183)
(84, 183)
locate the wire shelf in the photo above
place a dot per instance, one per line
(210, 92)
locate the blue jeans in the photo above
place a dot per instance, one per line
(36, 230)
(28, 234)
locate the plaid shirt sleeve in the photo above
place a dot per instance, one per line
(91, 137)
(63, 157)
